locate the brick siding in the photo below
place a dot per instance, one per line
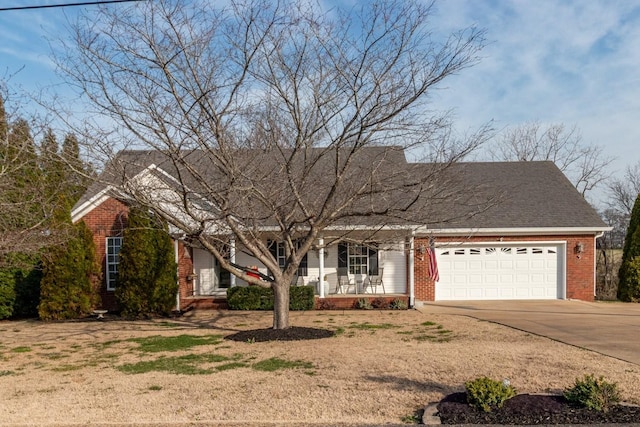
(580, 268)
(109, 219)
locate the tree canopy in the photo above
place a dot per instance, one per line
(267, 98)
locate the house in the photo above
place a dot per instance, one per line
(496, 230)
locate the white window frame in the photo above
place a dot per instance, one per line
(112, 259)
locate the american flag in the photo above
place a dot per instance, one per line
(433, 265)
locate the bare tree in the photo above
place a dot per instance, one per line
(273, 119)
(584, 165)
(624, 191)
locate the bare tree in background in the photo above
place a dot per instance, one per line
(624, 191)
(273, 116)
(585, 165)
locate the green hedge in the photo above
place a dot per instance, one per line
(20, 285)
(258, 298)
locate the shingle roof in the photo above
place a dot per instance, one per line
(534, 194)
(521, 194)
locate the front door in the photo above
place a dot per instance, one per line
(206, 269)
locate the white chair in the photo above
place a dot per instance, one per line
(373, 281)
(345, 280)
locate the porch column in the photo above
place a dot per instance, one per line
(232, 258)
(411, 270)
(321, 267)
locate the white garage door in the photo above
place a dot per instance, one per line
(499, 272)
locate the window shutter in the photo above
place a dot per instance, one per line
(373, 262)
(342, 255)
(273, 248)
(303, 267)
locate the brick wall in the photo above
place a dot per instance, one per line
(109, 220)
(106, 220)
(580, 267)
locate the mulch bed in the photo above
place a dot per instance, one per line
(293, 333)
(532, 409)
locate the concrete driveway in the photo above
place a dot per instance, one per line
(609, 328)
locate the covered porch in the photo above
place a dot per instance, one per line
(340, 271)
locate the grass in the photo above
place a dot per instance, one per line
(67, 368)
(6, 373)
(22, 349)
(196, 364)
(166, 324)
(428, 331)
(190, 364)
(157, 344)
(366, 326)
(275, 364)
(230, 366)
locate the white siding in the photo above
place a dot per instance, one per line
(392, 259)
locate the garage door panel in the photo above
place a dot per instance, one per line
(491, 264)
(499, 272)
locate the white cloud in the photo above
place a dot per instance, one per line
(574, 62)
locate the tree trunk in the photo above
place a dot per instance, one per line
(281, 305)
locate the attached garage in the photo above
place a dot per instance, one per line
(532, 270)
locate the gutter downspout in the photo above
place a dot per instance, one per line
(595, 261)
(232, 258)
(321, 267)
(175, 250)
(411, 271)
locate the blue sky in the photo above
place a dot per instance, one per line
(552, 61)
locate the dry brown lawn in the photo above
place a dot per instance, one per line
(380, 368)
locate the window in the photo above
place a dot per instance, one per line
(359, 259)
(113, 259)
(278, 251)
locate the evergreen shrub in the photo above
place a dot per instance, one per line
(259, 298)
(487, 394)
(629, 273)
(7, 293)
(593, 393)
(147, 273)
(20, 285)
(68, 288)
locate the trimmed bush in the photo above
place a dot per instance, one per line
(70, 272)
(258, 298)
(593, 393)
(301, 298)
(487, 394)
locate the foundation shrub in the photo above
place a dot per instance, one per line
(326, 305)
(380, 303)
(398, 304)
(487, 394)
(363, 304)
(258, 298)
(593, 393)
